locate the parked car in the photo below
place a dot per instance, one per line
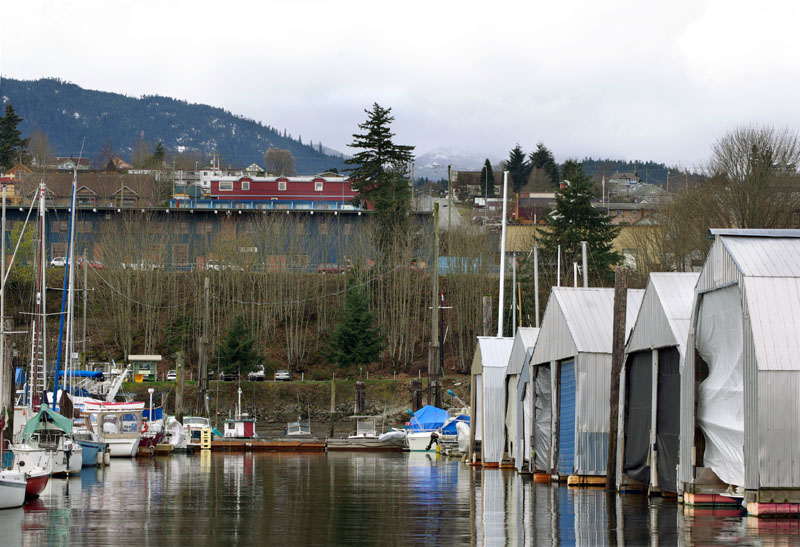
(257, 375)
(142, 266)
(331, 267)
(283, 375)
(91, 263)
(172, 375)
(58, 262)
(218, 266)
(228, 376)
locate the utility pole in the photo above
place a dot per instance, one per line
(434, 391)
(179, 390)
(203, 353)
(449, 198)
(585, 267)
(536, 282)
(617, 356)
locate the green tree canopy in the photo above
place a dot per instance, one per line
(380, 173)
(574, 220)
(487, 178)
(12, 145)
(355, 339)
(238, 353)
(542, 158)
(518, 167)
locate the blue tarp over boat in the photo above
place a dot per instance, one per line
(82, 373)
(428, 417)
(450, 429)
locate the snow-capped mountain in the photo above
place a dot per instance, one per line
(433, 164)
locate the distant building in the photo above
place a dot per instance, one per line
(70, 164)
(299, 192)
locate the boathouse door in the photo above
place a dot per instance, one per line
(566, 419)
(638, 414)
(668, 418)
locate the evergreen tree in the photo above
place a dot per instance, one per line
(238, 353)
(355, 339)
(542, 158)
(574, 220)
(487, 179)
(518, 167)
(158, 155)
(12, 145)
(380, 173)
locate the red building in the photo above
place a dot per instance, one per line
(320, 191)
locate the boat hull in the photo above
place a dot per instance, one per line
(12, 489)
(90, 451)
(420, 441)
(36, 482)
(123, 448)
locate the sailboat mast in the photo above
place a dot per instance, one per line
(70, 365)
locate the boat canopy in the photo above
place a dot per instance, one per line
(428, 417)
(158, 414)
(46, 416)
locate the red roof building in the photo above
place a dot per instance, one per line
(316, 189)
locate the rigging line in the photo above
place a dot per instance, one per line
(19, 240)
(303, 301)
(144, 304)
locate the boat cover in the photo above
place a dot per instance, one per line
(428, 417)
(81, 373)
(44, 416)
(450, 429)
(158, 413)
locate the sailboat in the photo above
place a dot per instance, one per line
(12, 481)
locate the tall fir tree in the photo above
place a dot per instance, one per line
(12, 145)
(355, 339)
(518, 167)
(487, 179)
(237, 353)
(573, 220)
(542, 158)
(380, 174)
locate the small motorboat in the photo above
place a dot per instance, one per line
(37, 478)
(12, 488)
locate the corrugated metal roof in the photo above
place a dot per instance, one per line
(525, 338)
(665, 314)
(765, 257)
(752, 232)
(579, 320)
(492, 352)
(774, 306)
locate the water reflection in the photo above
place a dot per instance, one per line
(355, 499)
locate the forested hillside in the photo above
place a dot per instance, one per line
(68, 114)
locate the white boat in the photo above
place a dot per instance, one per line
(175, 434)
(298, 428)
(51, 433)
(193, 427)
(12, 489)
(118, 425)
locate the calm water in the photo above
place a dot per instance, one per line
(353, 499)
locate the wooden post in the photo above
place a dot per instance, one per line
(179, 391)
(487, 315)
(617, 355)
(416, 394)
(333, 405)
(361, 398)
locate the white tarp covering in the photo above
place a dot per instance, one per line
(478, 417)
(511, 413)
(542, 419)
(527, 429)
(494, 414)
(720, 410)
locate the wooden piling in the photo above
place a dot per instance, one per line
(617, 355)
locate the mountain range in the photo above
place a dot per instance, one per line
(68, 114)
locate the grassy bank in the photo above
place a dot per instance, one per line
(283, 401)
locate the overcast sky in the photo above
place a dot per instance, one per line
(619, 79)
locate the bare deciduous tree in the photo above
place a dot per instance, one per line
(279, 162)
